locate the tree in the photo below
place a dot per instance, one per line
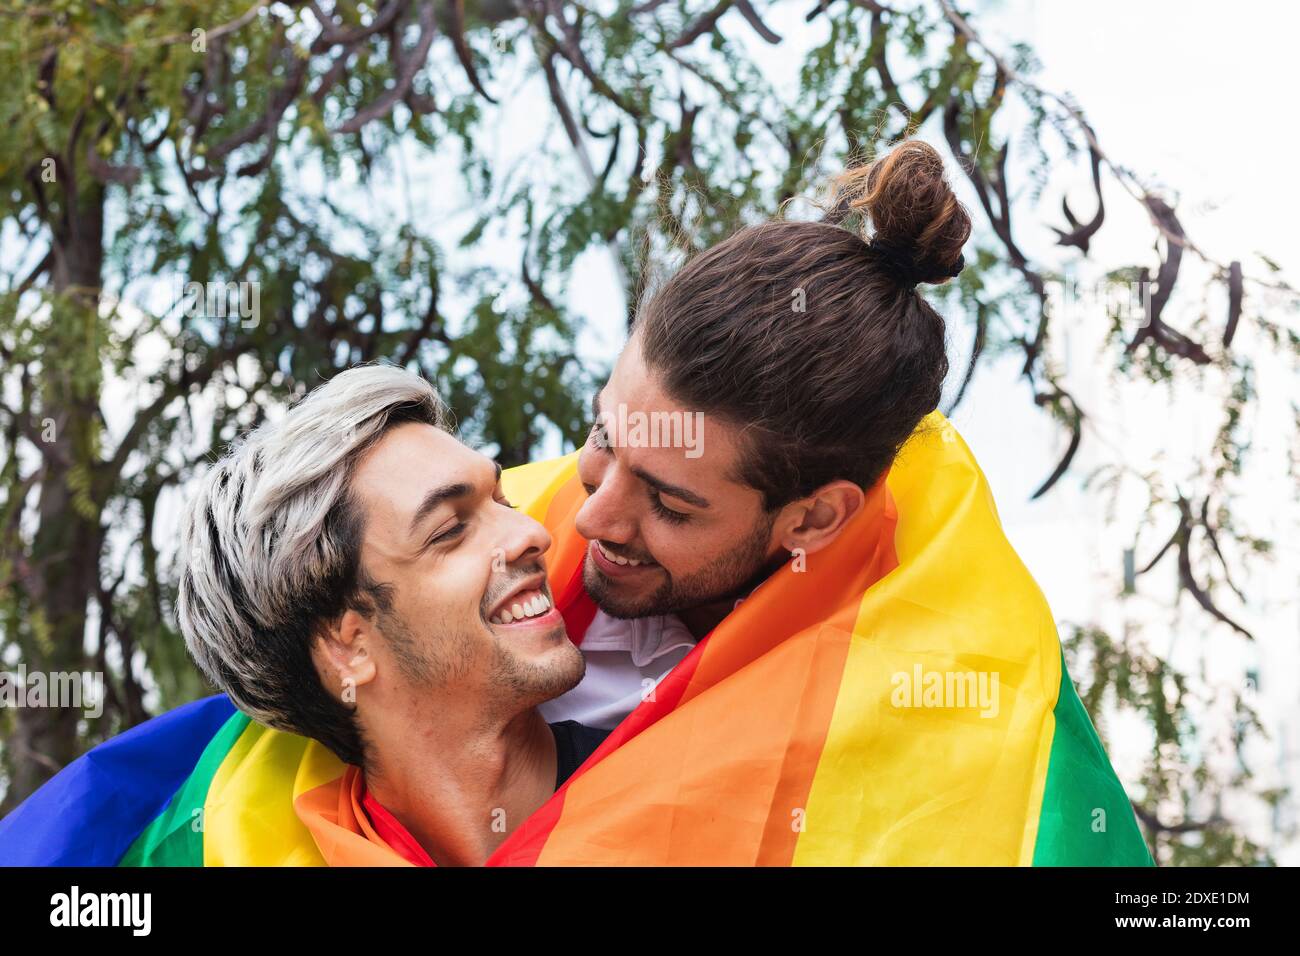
(173, 143)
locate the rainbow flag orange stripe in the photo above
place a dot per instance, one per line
(899, 699)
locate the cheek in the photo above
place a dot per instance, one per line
(453, 589)
(681, 549)
(588, 466)
(686, 549)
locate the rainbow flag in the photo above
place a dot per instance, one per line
(899, 698)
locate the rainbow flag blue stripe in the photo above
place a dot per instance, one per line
(91, 812)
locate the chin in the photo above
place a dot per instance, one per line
(557, 671)
(612, 597)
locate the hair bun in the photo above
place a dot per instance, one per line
(918, 226)
(907, 270)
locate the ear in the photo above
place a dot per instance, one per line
(343, 656)
(813, 522)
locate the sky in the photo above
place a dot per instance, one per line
(1196, 94)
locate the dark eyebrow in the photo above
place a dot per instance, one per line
(659, 485)
(664, 488)
(438, 496)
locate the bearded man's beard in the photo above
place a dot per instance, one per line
(740, 569)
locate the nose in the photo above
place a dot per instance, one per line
(524, 540)
(606, 514)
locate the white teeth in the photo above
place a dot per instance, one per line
(618, 559)
(534, 606)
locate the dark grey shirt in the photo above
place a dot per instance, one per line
(574, 743)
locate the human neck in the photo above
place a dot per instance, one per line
(460, 786)
(704, 618)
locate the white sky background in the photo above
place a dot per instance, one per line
(1189, 95)
(1193, 101)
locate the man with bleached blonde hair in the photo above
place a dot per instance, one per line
(355, 575)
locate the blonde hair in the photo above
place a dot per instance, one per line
(270, 548)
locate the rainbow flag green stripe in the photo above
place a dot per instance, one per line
(175, 838)
(1083, 799)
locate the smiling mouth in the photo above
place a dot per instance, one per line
(621, 561)
(530, 603)
(526, 605)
